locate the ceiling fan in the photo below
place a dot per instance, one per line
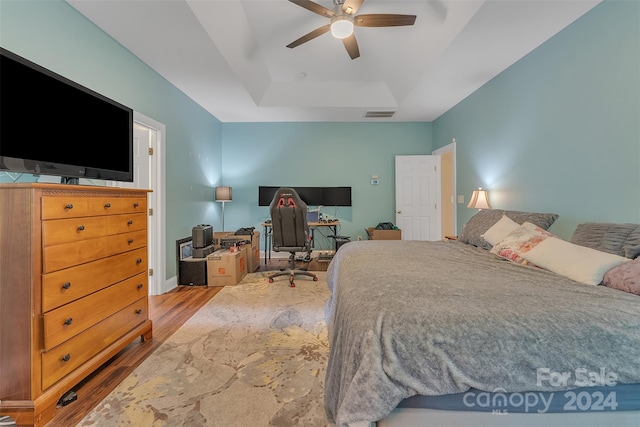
(343, 19)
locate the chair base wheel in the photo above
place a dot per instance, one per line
(315, 279)
(270, 280)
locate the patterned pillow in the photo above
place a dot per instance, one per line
(520, 241)
(473, 230)
(624, 277)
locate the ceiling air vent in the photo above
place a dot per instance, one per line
(379, 114)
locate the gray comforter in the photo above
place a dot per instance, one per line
(430, 318)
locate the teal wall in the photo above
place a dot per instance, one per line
(559, 131)
(53, 34)
(322, 155)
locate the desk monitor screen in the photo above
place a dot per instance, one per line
(312, 196)
(336, 196)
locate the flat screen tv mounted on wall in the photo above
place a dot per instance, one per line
(53, 126)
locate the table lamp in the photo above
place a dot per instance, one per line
(479, 199)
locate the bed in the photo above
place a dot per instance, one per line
(458, 332)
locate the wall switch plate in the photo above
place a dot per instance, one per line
(460, 198)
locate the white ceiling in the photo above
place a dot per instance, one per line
(230, 56)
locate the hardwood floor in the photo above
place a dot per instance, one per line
(168, 312)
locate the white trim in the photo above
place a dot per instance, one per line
(170, 283)
(452, 148)
(157, 284)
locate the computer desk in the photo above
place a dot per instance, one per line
(333, 226)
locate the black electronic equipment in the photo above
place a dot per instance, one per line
(192, 272)
(202, 235)
(81, 133)
(203, 252)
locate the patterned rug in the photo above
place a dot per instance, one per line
(255, 355)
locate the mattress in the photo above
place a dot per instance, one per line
(619, 397)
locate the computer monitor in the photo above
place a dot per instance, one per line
(336, 196)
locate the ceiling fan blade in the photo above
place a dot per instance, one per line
(383, 20)
(351, 45)
(310, 36)
(314, 7)
(350, 7)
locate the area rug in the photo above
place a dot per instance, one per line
(254, 355)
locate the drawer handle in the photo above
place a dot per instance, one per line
(139, 311)
(140, 286)
(68, 206)
(130, 222)
(136, 204)
(66, 357)
(66, 285)
(139, 261)
(130, 241)
(68, 321)
(80, 227)
(107, 205)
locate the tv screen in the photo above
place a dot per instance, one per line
(54, 126)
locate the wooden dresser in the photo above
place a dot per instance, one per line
(73, 288)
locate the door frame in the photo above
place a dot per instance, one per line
(157, 221)
(446, 149)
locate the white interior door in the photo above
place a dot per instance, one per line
(417, 197)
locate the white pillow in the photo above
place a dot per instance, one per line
(500, 230)
(579, 263)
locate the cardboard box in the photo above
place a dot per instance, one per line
(225, 268)
(384, 234)
(253, 251)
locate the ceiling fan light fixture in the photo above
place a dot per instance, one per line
(341, 26)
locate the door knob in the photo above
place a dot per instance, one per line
(398, 212)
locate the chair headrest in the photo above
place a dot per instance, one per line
(287, 197)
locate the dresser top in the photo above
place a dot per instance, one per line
(70, 187)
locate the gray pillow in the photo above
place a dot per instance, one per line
(618, 239)
(473, 230)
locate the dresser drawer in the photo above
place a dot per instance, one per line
(71, 319)
(71, 206)
(126, 223)
(64, 286)
(68, 356)
(117, 205)
(127, 241)
(58, 231)
(54, 207)
(66, 255)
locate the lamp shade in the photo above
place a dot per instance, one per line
(223, 194)
(479, 199)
